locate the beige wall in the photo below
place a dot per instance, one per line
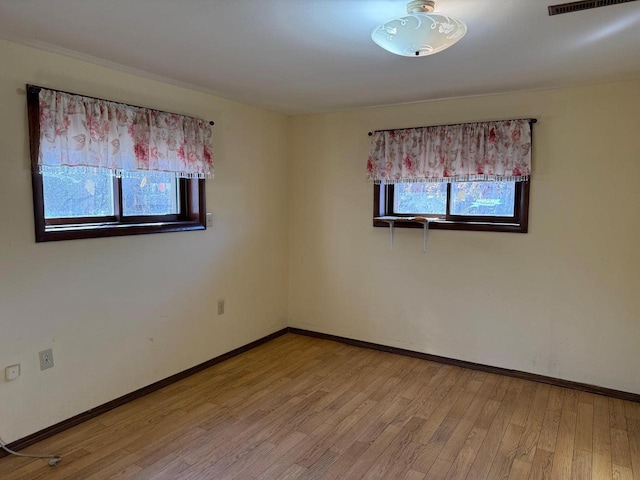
(562, 300)
(121, 313)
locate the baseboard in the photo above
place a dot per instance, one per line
(94, 412)
(585, 387)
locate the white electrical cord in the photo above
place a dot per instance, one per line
(53, 459)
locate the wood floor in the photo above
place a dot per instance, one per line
(299, 407)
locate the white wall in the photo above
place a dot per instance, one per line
(562, 300)
(121, 313)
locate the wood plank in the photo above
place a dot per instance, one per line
(439, 470)
(463, 461)
(262, 464)
(601, 438)
(633, 430)
(632, 410)
(320, 466)
(519, 470)
(413, 475)
(346, 460)
(366, 460)
(601, 467)
(292, 473)
(570, 400)
(501, 466)
(484, 459)
(549, 432)
(533, 425)
(487, 415)
(404, 460)
(584, 427)
(525, 401)
(542, 465)
(393, 454)
(620, 451)
(288, 459)
(436, 443)
(621, 473)
(586, 397)
(467, 421)
(582, 465)
(173, 469)
(439, 409)
(618, 417)
(563, 454)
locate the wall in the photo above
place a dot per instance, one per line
(121, 313)
(561, 300)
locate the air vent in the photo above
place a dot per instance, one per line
(583, 5)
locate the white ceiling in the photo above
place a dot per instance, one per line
(303, 56)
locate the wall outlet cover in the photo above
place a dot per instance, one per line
(12, 372)
(46, 359)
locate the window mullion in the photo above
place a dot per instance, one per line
(184, 193)
(389, 199)
(448, 213)
(117, 198)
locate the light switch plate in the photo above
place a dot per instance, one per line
(209, 219)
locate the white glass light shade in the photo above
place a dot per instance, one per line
(419, 34)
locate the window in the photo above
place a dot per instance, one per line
(486, 206)
(467, 176)
(72, 202)
(88, 204)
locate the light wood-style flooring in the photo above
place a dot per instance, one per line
(304, 408)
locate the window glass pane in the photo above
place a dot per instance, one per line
(155, 194)
(77, 192)
(496, 199)
(424, 198)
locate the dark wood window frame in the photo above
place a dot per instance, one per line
(519, 223)
(192, 214)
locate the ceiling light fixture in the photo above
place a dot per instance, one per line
(419, 33)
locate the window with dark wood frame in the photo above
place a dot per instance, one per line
(383, 205)
(191, 202)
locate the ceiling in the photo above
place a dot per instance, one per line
(305, 56)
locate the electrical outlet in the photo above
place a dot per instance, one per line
(209, 219)
(46, 359)
(12, 372)
(220, 307)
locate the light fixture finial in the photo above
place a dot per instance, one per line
(421, 6)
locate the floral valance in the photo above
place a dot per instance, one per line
(465, 152)
(77, 131)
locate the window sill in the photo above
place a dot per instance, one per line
(442, 224)
(89, 230)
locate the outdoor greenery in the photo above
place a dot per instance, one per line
(85, 192)
(467, 198)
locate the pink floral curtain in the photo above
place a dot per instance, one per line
(466, 152)
(77, 131)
